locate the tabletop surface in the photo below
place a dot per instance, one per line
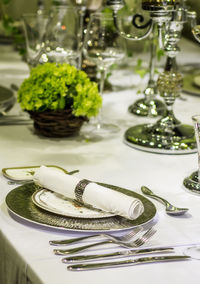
(106, 160)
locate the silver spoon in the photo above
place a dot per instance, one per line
(170, 209)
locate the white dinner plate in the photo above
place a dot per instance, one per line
(61, 205)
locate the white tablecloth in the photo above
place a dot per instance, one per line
(26, 256)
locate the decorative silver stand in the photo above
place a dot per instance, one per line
(149, 105)
(167, 135)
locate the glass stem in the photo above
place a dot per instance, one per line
(152, 56)
(150, 95)
(101, 88)
(102, 78)
(82, 12)
(170, 111)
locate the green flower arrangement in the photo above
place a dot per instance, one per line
(59, 99)
(54, 87)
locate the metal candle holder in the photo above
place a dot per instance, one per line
(167, 135)
(149, 105)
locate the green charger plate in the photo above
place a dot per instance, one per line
(19, 202)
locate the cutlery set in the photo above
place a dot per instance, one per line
(124, 241)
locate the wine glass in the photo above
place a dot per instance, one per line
(103, 46)
(34, 27)
(62, 36)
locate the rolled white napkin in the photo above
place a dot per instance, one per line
(98, 196)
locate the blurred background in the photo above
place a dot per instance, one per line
(15, 8)
(11, 11)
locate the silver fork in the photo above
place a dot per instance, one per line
(125, 238)
(137, 243)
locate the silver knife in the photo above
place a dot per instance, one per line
(124, 253)
(137, 261)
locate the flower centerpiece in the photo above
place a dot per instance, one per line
(59, 98)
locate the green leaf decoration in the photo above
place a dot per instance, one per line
(54, 86)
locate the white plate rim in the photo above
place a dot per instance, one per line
(37, 202)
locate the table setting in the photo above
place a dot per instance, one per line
(91, 188)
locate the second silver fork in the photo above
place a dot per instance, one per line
(138, 242)
(127, 237)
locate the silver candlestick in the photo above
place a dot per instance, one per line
(168, 135)
(149, 105)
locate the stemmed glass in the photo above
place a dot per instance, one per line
(103, 46)
(81, 8)
(35, 28)
(62, 35)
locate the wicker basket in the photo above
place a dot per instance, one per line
(60, 123)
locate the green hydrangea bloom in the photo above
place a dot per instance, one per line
(54, 86)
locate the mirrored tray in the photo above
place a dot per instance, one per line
(25, 173)
(56, 203)
(138, 137)
(19, 202)
(160, 151)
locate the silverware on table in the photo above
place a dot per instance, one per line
(13, 121)
(138, 242)
(170, 209)
(124, 253)
(137, 261)
(127, 237)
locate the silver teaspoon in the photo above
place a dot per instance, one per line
(170, 209)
